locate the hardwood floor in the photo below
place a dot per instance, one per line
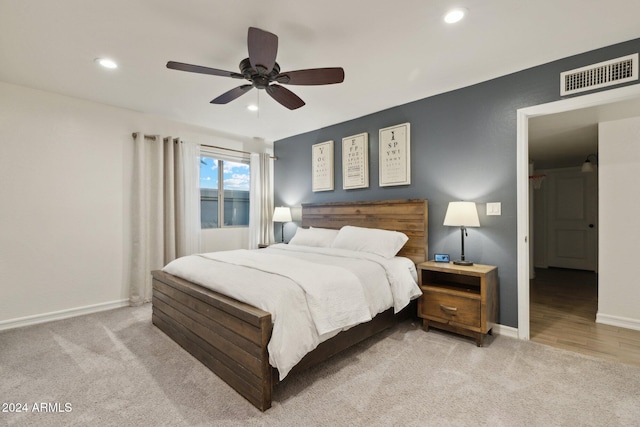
(563, 312)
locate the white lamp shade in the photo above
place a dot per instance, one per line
(587, 166)
(462, 214)
(282, 214)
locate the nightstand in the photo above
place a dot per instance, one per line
(460, 299)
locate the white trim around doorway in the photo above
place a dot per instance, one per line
(522, 157)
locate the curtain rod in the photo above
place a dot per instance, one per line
(231, 149)
(135, 134)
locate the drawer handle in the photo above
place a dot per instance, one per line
(447, 308)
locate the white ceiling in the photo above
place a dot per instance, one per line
(393, 52)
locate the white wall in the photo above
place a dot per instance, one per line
(65, 169)
(619, 211)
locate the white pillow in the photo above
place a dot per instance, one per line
(381, 242)
(319, 237)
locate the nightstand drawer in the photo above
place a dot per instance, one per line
(450, 308)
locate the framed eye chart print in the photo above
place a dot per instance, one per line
(395, 155)
(322, 166)
(355, 161)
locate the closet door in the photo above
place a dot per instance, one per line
(572, 219)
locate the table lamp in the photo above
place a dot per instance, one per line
(282, 214)
(463, 215)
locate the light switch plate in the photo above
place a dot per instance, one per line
(494, 208)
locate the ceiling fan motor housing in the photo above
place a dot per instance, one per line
(259, 78)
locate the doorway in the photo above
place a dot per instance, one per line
(597, 104)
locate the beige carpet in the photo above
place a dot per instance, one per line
(115, 368)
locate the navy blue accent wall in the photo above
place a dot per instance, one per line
(463, 147)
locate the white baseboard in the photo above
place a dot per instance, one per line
(506, 331)
(621, 322)
(62, 314)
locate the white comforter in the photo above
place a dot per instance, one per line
(311, 293)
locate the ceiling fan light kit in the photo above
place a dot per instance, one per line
(263, 72)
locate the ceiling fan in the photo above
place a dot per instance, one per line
(263, 72)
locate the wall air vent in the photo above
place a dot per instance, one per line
(603, 74)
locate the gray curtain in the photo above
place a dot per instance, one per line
(162, 207)
(261, 206)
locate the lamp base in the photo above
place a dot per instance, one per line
(461, 262)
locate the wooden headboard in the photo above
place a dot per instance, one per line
(409, 216)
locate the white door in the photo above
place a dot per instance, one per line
(572, 219)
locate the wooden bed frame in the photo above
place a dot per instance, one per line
(231, 337)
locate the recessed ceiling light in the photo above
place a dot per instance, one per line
(252, 107)
(454, 15)
(106, 63)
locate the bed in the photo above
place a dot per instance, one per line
(231, 338)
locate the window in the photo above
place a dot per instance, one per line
(224, 192)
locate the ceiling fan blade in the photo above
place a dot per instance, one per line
(313, 76)
(232, 94)
(263, 48)
(202, 70)
(285, 97)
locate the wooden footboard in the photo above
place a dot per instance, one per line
(231, 338)
(227, 336)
